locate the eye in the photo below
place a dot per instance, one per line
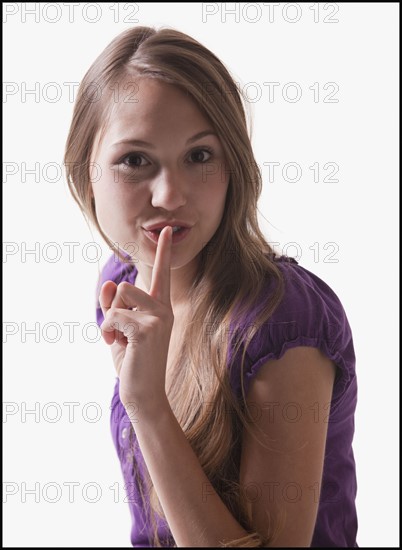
(201, 155)
(133, 160)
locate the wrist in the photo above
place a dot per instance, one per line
(146, 409)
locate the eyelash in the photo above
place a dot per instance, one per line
(199, 150)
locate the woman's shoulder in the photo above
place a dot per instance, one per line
(116, 270)
(308, 300)
(309, 314)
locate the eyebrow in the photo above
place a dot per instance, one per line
(142, 143)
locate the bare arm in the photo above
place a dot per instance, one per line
(283, 479)
(195, 513)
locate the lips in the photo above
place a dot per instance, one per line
(177, 236)
(176, 228)
(173, 223)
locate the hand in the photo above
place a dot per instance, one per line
(140, 339)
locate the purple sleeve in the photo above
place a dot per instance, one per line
(310, 314)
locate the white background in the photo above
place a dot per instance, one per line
(358, 212)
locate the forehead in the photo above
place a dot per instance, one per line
(148, 108)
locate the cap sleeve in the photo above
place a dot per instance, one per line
(310, 314)
(113, 270)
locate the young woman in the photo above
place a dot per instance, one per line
(233, 410)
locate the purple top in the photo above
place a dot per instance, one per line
(310, 314)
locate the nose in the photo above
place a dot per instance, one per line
(169, 190)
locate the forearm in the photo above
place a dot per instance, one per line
(194, 511)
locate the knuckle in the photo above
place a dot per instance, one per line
(110, 313)
(123, 288)
(130, 328)
(115, 325)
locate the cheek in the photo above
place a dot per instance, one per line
(211, 200)
(218, 186)
(115, 208)
(214, 178)
(114, 194)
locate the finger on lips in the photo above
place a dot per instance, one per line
(126, 296)
(160, 283)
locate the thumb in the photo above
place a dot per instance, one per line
(106, 296)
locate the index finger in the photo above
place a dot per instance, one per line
(160, 283)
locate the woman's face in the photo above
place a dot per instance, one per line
(176, 175)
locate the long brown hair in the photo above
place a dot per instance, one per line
(234, 266)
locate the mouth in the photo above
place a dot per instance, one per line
(179, 233)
